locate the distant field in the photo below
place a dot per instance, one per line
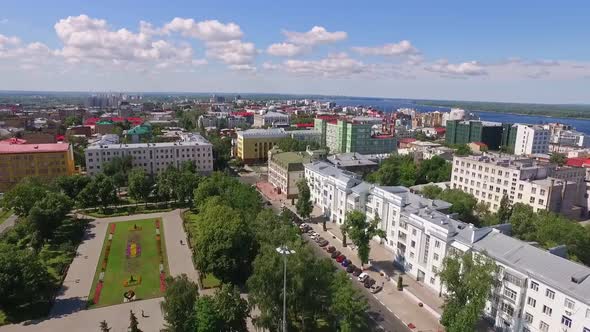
(566, 110)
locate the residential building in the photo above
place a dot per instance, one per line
(306, 135)
(354, 162)
(571, 138)
(252, 145)
(531, 139)
(464, 132)
(285, 169)
(537, 289)
(46, 161)
(342, 136)
(543, 186)
(508, 136)
(271, 119)
(154, 157)
(139, 134)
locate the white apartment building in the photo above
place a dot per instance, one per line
(537, 289)
(154, 157)
(543, 186)
(271, 119)
(531, 139)
(571, 138)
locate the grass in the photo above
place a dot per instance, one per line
(4, 214)
(209, 281)
(119, 267)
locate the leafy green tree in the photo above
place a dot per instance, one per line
(431, 191)
(187, 183)
(206, 317)
(23, 196)
(140, 185)
(231, 308)
(468, 280)
(118, 168)
(395, 171)
(348, 305)
(24, 280)
(361, 232)
(179, 301)
(344, 227)
(48, 213)
(242, 197)
(273, 230)
(462, 203)
(224, 244)
(72, 121)
(133, 323)
(107, 192)
(72, 185)
(304, 206)
(558, 158)
(504, 210)
(290, 144)
(462, 150)
(435, 169)
(523, 222)
(221, 150)
(104, 326)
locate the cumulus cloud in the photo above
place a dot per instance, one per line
(210, 30)
(6, 41)
(464, 69)
(316, 36)
(285, 49)
(233, 52)
(403, 47)
(334, 65)
(87, 39)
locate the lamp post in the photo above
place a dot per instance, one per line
(284, 251)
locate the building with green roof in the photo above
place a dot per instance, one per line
(140, 133)
(285, 169)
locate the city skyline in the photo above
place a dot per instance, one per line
(508, 52)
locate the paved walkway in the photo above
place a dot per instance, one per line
(9, 222)
(68, 312)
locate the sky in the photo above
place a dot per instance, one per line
(515, 51)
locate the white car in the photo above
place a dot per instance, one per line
(363, 276)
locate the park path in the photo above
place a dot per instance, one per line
(68, 312)
(9, 222)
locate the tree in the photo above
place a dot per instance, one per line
(23, 196)
(140, 185)
(187, 183)
(344, 229)
(273, 230)
(104, 327)
(468, 280)
(348, 305)
(224, 244)
(435, 169)
(462, 203)
(72, 121)
(133, 323)
(395, 171)
(48, 213)
(231, 308)
(179, 301)
(558, 158)
(462, 150)
(361, 232)
(304, 206)
(206, 317)
(431, 191)
(504, 210)
(72, 185)
(107, 192)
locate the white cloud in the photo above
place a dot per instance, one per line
(316, 36)
(334, 65)
(6, 41)
(243, 68)
(210, 30)
(464, 69)
(233, 52)
(285, 49)
(403, 47)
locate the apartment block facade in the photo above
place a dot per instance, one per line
(46, 161)
(537, 290)
(531, 139)
(285, 169)
(252, 145)
(464, 132)
(543, 186)
(342, 136)
(154, 157)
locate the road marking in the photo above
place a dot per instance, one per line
(389, 309)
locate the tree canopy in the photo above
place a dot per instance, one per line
(360, 231)
(303, 205)
(402, 170)
(179, 301)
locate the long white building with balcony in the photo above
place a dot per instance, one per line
(538, 290)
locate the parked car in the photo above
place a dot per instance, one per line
(363, 276)
(331, 249)
(340, 258)
(319, 239)
(346, 262)
(323, 243)
(369, 282)
(357, 272)
(350, 268)
(375, 289)
(335, 254)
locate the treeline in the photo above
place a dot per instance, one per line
(399, 170)
(235, 239)
(563, 110)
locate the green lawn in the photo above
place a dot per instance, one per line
(209, 281)
(119, 267)
(4, 214)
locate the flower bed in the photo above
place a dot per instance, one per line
(112, 229)
(162, 282)
(97, 292)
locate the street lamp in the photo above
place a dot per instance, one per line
(285, 252)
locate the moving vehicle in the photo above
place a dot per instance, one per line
(363, 277)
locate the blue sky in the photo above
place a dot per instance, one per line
(530, 51)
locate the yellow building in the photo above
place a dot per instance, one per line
(46, 161)
(253, 144)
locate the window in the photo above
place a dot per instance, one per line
(435, 256)
(510, 294)
(532, 302)
(434, 269)
(534, 286)
(528, 317)
(413, 244)
(413, 232)
(544, 327)
(437, 244)
(547, 311)
(566, 321)
(507, 308)
(432, 280)
(587, 313)
(569, 304)
(550, 294)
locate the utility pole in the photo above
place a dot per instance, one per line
(284, 251)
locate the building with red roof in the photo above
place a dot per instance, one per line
(578, 162)
(13, 140)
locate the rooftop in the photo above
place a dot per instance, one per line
(351, 159)
(256, 133)
(33, 148)
(146, 145)
(292, 161)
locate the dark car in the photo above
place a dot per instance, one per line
(350, 268)
(357, 272)
(340, 258)
(319, 239)
(335, 254)
(331, 249)
(369, 282)
(323, 243)
(346, 262)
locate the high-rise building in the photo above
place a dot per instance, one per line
(46, 161)
(531, 139)
(342, 136)
(252, 145)
(464, 132)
